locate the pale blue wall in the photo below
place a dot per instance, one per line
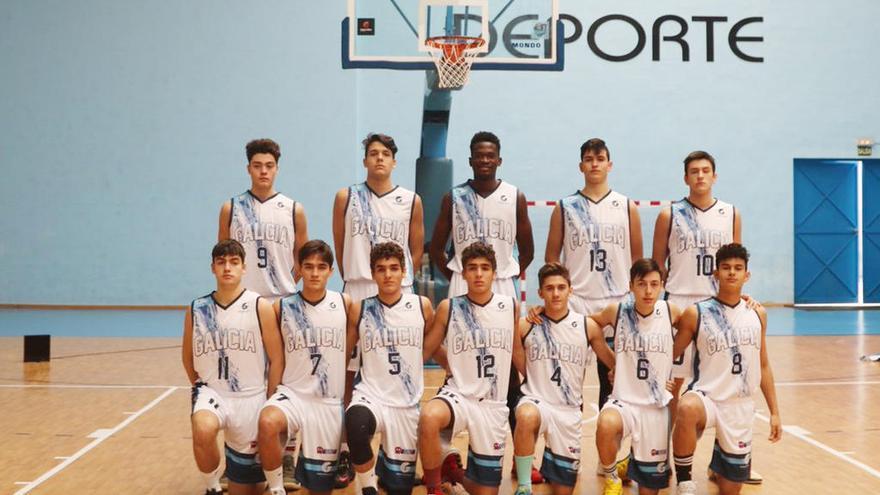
(122, 125)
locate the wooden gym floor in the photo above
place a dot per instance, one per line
(110, 415)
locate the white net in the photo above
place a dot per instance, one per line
(453, 57)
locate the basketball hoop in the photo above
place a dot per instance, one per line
(453, 56)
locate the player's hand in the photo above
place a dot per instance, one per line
(670, 385)
(534, 316)
(775, 428)
(751, 302)
(611, 376)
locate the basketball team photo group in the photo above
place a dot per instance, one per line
(323, 389)
(420, 247)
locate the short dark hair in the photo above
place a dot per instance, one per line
(552, 269)
(264, 145)
(387, 250)
(227, 247)
(316, 247)
(595, 145)
(642, 267)
(698, 155)
(730, 251)
(486, 137)
(375, 137)
(478, 250)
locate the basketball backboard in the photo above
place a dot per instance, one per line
(391, 34)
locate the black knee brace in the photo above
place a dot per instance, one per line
(400, 492)
(360, 425)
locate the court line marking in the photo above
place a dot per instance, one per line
(49, 385)
(83, 451)
(803, 434)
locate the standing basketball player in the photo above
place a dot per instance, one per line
(228, 336)
(687, 235)
(638, 406)
(309, 399)
(487, 210)
(373, 212)
(478, 332)
(556, 353)
(367, 214)
(597, 234)
(272, 228)
(389, 330)
(731, 363)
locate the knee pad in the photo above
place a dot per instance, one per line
(400, 492)
(360, 426)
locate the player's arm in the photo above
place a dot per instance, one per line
(272, 344)
(554, 237)
(674, 313)
(519, 351)
(300, 226)
(352, 336)
(525, 243)
(428, 311)
(606, 317)
(339, 205)
(442, 228)
(417, 234)
(768, 384)
(635, 232)
(687, 329)
(737, 226)
(187, 350)
(660, 251)
(597, 341)
(435, 335)
(225, 220)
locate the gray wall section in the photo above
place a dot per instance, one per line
(122, 126)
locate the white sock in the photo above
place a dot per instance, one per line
(366, 480)
(275, 478)
(610, 471)
(212, 479)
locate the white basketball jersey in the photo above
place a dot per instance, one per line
(390, 344)
(694, 237)
(727, 360)
(266, 230)
(372, 219)
(479, 344)
(227, 345)
(596, 244)
(491, 220)
(557, 355)
(643, 350)
(314, 346)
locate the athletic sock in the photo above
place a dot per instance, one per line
(275, 478)
(343, 447)
(366, 480)
(683, 465)
(431, 478)
(610, 471)
(212, 479)
(524, 470)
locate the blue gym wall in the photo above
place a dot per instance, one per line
(122, 125)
